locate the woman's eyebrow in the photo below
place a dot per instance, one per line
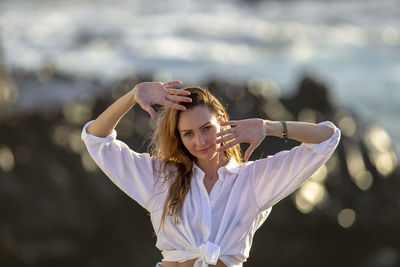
(199, 127)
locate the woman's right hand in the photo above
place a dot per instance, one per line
(150, 93)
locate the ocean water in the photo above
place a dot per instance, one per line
(353, 46)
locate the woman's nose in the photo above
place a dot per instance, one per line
(200, 139)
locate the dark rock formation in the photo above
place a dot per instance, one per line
(58, 209)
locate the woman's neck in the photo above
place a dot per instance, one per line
(210, 167)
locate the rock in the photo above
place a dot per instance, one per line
(59, 209)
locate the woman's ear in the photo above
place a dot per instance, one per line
(222, 118)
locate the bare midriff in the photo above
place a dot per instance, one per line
(189, 263)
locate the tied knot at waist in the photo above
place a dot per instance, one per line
(207, 253)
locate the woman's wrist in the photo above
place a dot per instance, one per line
(272, 128)
(132, 96)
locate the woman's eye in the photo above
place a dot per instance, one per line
(207, 127)
(187, 134)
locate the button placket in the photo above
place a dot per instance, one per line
(215, 190)
(206, 209)
(217, 187)
(207, 216)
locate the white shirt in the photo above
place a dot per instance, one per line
(220, 225)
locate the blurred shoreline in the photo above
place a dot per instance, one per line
(47, 90)
(351, 45)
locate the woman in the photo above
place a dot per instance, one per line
(205, 203)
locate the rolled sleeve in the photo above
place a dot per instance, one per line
(275, 177)
(132, 172)
(109, 138)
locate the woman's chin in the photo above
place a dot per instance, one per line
(209, 155)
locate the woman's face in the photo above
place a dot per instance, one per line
(198, 127)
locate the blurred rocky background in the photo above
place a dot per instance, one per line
(59, 69)
(58, 208)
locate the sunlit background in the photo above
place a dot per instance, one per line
(63, 62)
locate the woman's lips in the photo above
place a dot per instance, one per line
(204, 150)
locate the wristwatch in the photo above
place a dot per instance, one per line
(284, 131)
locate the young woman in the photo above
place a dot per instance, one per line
(205, 203)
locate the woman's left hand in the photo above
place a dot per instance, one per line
(245, 131)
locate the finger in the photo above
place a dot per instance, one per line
(174, 83)
(230, 130)
(229, 123)
(178, 98)
(151, 111)
(174, 105)
(229, 145)
(248, 152)
(178, 91)
(226, 138)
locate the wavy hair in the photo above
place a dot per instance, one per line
(176, 161)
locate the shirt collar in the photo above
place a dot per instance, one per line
(232, 166)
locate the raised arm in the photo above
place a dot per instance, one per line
(131, 171)
(303, 132)
(253, 131)
(146, 94)
(276, 176)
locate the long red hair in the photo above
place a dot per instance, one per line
(166, 144)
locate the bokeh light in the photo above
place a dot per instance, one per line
(356, 167)
(7, 160)
(313, 192)
(348, 126)
(346, 218)
(381, 151)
